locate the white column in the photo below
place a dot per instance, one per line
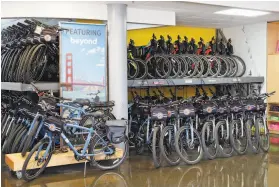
(117, 58)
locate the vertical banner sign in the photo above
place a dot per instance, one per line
(83, 61)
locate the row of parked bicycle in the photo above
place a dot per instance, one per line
(187, 129)
(164, 59)
(28, 125)
(29, 52)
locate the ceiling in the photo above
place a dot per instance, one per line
(202, 15)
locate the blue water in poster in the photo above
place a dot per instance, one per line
(83, 60)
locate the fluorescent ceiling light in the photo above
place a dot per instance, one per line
(242, 12)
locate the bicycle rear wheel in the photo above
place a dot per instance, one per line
(100, 147)
(222, 136)
(30, 136)
(253, 135)
(35, 162)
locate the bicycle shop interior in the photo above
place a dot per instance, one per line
(140, 93)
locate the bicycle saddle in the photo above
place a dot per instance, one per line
(82, 101)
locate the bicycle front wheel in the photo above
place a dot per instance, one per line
(36, 160)
(264, 134)
(167, 146)
(156, 152)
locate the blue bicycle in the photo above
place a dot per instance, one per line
(105, 149)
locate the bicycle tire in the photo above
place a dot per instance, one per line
(24, 167)
(204, 146)
(176, 67)
(155, 143)
(129, 69)
(220, 149)
(29, 138)
(170, 161)
(261, 125)
(200, 68)
(233, 68)
(256, 148)
(160, 67)
(185, 158)
(142, 69)
(184, 66)
(11, 139)
(232, 135)
(242, 63)
(225, 68)
(214, 63)
(97, 164)
(16, 143)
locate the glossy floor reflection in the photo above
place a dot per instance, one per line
(260, 170)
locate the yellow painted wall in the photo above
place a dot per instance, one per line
(143, 36)
(185, 91)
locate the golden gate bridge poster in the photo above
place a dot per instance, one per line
(83, 64)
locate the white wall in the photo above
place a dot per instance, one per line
(249, 42)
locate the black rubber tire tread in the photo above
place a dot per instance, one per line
(29, 138)
(95, 163)
(177, 136)
(17, 142)
(143, 68)
(30, 156)
(168, 64)
(263, 148)
(11, 139)
(220, 150)
(232, 140)
(137, 69)
(204, 146)
(162, 147)
(257, 148)
(156, 134)
(243, 68)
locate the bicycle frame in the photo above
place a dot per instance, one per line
(80, 110)
(89, 131)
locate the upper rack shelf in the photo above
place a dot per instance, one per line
(17, 86)
(193, 81)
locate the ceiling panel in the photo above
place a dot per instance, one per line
(196, 14)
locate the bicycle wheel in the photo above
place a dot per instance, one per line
(133, 69)
(16, 143)
(191, 66)
(167, 146)
(184, 66)
(253, 135)
(215, 66)
(207, 67)
(209, 140)
(142, 69)
(222, 135)
(189, 150)
(30, 137)
(200, 67)
(36, 162)
(238, 137)
(264, 134)
(224, 70)
(7, 145)
(233, 66)
(176, 66)
(163, 67)
(241, 66)
(156, 152)
(100, 145)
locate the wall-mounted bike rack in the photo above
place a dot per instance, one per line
(193, 81)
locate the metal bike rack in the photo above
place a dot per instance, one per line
(193, 81)
(17, 86)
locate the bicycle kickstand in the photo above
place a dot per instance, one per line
(84, 171)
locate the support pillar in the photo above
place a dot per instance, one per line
(117, 58)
